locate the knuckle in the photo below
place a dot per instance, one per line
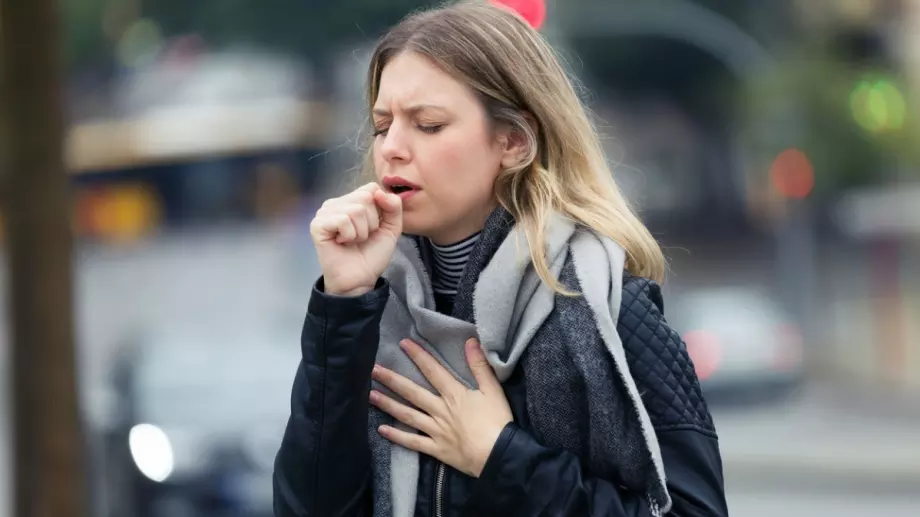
(354, 210)
(319, 223)
(364, 197)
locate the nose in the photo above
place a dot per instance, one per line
(395, 147)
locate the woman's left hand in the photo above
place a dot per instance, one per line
(460, 426)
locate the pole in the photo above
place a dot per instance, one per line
(47, 446)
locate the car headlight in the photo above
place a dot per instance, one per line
(152, 452)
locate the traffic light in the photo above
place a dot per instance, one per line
(534, 11)
(878, 105)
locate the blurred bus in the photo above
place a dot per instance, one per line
(191, 165)
(195, 139)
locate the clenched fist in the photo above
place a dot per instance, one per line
(355, 236)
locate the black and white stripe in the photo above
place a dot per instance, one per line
(449, 262)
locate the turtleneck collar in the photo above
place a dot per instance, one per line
(449, 263)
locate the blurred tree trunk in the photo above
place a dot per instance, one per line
(47, 439)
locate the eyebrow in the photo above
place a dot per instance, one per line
(410, 110)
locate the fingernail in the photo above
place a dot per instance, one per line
(374, 396)
(404, 344)
(383, 430)
(376, 370)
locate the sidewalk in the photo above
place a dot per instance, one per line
(816, 441)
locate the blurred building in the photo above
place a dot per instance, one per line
(909, 36)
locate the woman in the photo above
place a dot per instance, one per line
(487, 336)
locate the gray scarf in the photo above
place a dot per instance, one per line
(514, 310)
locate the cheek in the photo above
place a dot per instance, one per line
(465, 161)
(377, 158)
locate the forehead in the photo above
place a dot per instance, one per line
(410, 79)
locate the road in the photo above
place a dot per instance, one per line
(758, 503)
(239, 277)
(817, 455)
(750, 496)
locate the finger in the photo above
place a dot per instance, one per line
(437, 375)
(360, 196)
(405, 414)
(369, 187)
(391, 213)
(372, 214)
(365, 199)
(482, 370)
(358, 215)
(345, 229)
(416, 442)
(336, 226)
(407, 389)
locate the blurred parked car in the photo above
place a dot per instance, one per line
(740, 340)
(197, 420)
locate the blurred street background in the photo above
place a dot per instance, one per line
(772, 146)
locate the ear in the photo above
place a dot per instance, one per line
(515, 147)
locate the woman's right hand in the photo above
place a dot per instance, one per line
(355, 236)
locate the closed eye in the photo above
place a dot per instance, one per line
(425, 129)
(431, 129)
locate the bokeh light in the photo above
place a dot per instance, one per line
(878, 105)
(534, 11)
(705, 352)
(140, 43)
(117, 214)
(793, 174)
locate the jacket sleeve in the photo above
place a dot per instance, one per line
(524, 478)
(323, 465)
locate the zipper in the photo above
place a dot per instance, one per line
(439, 491)
(429, 292)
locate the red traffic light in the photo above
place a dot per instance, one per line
(534, 11)
(793, 174)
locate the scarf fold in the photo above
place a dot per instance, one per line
(503, 302)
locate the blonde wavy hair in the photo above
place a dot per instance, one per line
(522, 84)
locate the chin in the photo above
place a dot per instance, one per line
(415, 229)
(418, 224)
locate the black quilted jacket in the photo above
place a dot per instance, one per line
(322, 468)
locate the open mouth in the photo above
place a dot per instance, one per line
(401, 189)
(400, 186)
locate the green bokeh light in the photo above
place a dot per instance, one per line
(140, 43)
(878, 105)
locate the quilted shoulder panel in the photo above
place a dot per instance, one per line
(658, 360)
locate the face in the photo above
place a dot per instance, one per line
(432, 134)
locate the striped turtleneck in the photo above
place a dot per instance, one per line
(449, 262)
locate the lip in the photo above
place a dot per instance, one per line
(407, 194)
(393, 181)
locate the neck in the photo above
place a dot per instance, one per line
(453, 236)
(471, 224)
(449, 263)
